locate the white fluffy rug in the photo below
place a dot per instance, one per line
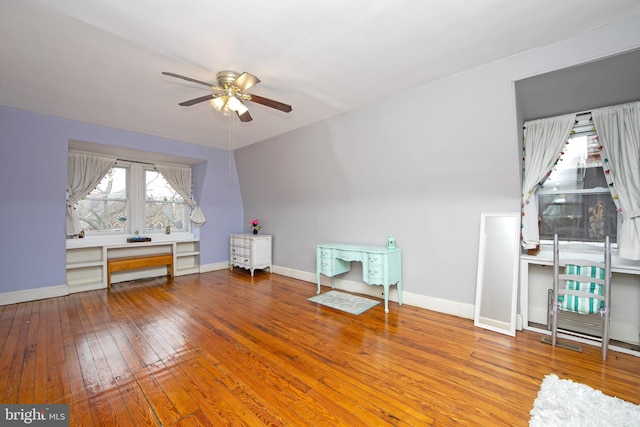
(565, 403)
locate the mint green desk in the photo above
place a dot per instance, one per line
(380, 266)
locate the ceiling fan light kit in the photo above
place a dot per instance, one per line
(230, 92)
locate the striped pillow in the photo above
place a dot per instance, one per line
(581, 304)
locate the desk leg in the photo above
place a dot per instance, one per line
(399, 289)
(318, 280)
(386, 298)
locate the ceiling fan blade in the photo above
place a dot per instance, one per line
(245, 81)
(245, 117)
(270, 103)
(189, 79)
(198, 100)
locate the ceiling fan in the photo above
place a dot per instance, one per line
(230, 92)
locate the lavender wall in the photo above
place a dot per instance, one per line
(33, 170)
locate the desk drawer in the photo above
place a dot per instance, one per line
(324, 252)
(375, 273)
(332, 267)
(326, 266)
(349, 255)
(374, 259)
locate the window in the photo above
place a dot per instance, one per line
(164, 207)
(105, 208)
(575, 201)
(133, 198)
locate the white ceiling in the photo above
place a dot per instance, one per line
(100, 61)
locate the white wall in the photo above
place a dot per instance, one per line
(422, 166)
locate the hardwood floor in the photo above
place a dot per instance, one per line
(223, 348)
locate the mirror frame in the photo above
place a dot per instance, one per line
(507, 285)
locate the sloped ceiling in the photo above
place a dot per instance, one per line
(100, 61)
(610, 81)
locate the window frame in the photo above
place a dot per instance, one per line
(97, 233)
(186, 208)
(583, 127)
(136, 209)
(562, 239)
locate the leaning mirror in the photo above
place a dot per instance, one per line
(497, 278)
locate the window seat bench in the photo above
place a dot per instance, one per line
(137, 262)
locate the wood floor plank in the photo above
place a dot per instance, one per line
(162, 369)
(288, 359)
(225, 348)
(137, 404)
(173, 389)
(230, 401)
(41, 392)
(147, 398)
(159, 404)
(67, 363)
(28, 376)
(51, 345)
(6, 321)
(13, 355)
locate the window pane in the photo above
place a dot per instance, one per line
(567, 202)
(158, 189)
(582, 217)
(579, 167)
(163, 214)
(164, 207)
(105, 208)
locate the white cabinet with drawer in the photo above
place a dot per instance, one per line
(250, 251)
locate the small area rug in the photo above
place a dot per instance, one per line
(566, 403)
(346, 302)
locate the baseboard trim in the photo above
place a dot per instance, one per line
(74, 289)
(33, 294)
(214, 267)
(453, 308)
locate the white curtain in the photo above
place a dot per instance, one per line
(543, 143)
(84, 172)
(618, 129)
(180, 180)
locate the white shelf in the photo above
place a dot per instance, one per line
(536, 277)
(82, 274)
(84, 265)
(186, 254)
(86, 261)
